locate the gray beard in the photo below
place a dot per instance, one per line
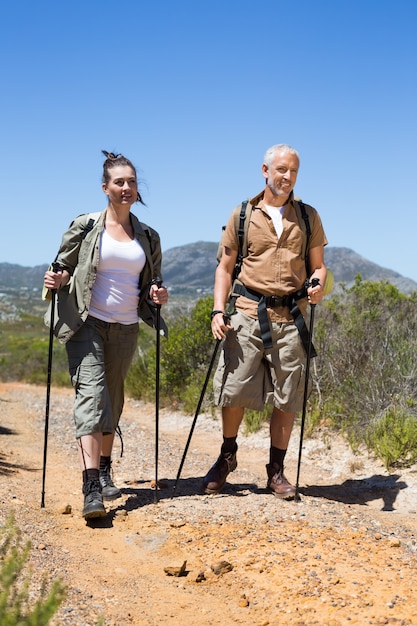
(275, 191)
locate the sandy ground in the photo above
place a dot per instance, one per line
(345, 554)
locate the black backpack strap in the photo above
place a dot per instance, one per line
(308, 232)
(86, 229)
(289, 301)
(305, 218)
(299, 321)
(242, 244)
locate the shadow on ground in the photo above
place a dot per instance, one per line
(6, 431)
(139, 497)
(7, 469)
(361, 491)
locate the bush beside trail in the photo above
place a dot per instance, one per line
(364, 379)
(17, 607)
(366, 375)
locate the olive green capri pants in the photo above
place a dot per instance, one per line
(248, 376)
(99, 357)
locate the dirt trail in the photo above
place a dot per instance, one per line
(345, 554)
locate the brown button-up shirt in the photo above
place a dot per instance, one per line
(274, 266)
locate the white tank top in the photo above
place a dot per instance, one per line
(115, 292)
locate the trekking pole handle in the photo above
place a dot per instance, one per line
(57, 267)
(313, 283)
(158, 282)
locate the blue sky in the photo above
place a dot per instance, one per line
(193, 93)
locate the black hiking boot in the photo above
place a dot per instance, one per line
(109, 491)
(93, 500)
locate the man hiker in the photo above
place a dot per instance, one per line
(263, 354)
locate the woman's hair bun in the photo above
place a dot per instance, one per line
(110, 155)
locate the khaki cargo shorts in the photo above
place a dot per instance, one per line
(99, 356)
(248, 376)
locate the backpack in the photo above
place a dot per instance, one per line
(242, 219)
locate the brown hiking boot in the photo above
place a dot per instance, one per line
(216, 477)
(278, 484)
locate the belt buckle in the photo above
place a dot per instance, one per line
(274, 301)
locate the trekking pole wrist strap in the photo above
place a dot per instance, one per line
(214, 313)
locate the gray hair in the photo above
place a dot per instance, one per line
(279, 147)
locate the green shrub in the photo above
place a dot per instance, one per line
(393, 437)
(24, 349)
(140, 380)
(254, 420)
(365, 335)
(184, 359)
(16, 608)
(366, 338)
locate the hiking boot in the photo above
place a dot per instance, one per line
(213, 481)
(109, 491)
(278, 484)
(93, 500)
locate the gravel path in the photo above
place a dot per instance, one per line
(345, 554)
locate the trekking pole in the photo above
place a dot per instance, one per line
(226, 318)
(200, 402)
(56, 267)
(297, 498)
(157, 282)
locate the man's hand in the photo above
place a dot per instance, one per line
(315, 291)
(220, 324)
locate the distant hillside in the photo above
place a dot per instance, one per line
(192, 267)
(187, 270)
(346, 264)
(20, 290)
(17, 276)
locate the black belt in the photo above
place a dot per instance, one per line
(289, 301)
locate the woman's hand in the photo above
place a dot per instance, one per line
(55, 280)
(158, 295)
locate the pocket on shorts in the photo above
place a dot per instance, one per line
(78, 347)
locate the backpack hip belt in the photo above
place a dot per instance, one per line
(270, 301)
(289, 301)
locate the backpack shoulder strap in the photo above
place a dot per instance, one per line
(92, 219)
(242, 219)
(305, 225)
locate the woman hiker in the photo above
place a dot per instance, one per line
(107, 275)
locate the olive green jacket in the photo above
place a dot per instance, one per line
(79, 254)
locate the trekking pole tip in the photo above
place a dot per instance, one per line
(174, 488)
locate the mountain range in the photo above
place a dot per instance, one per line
(189, 270)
